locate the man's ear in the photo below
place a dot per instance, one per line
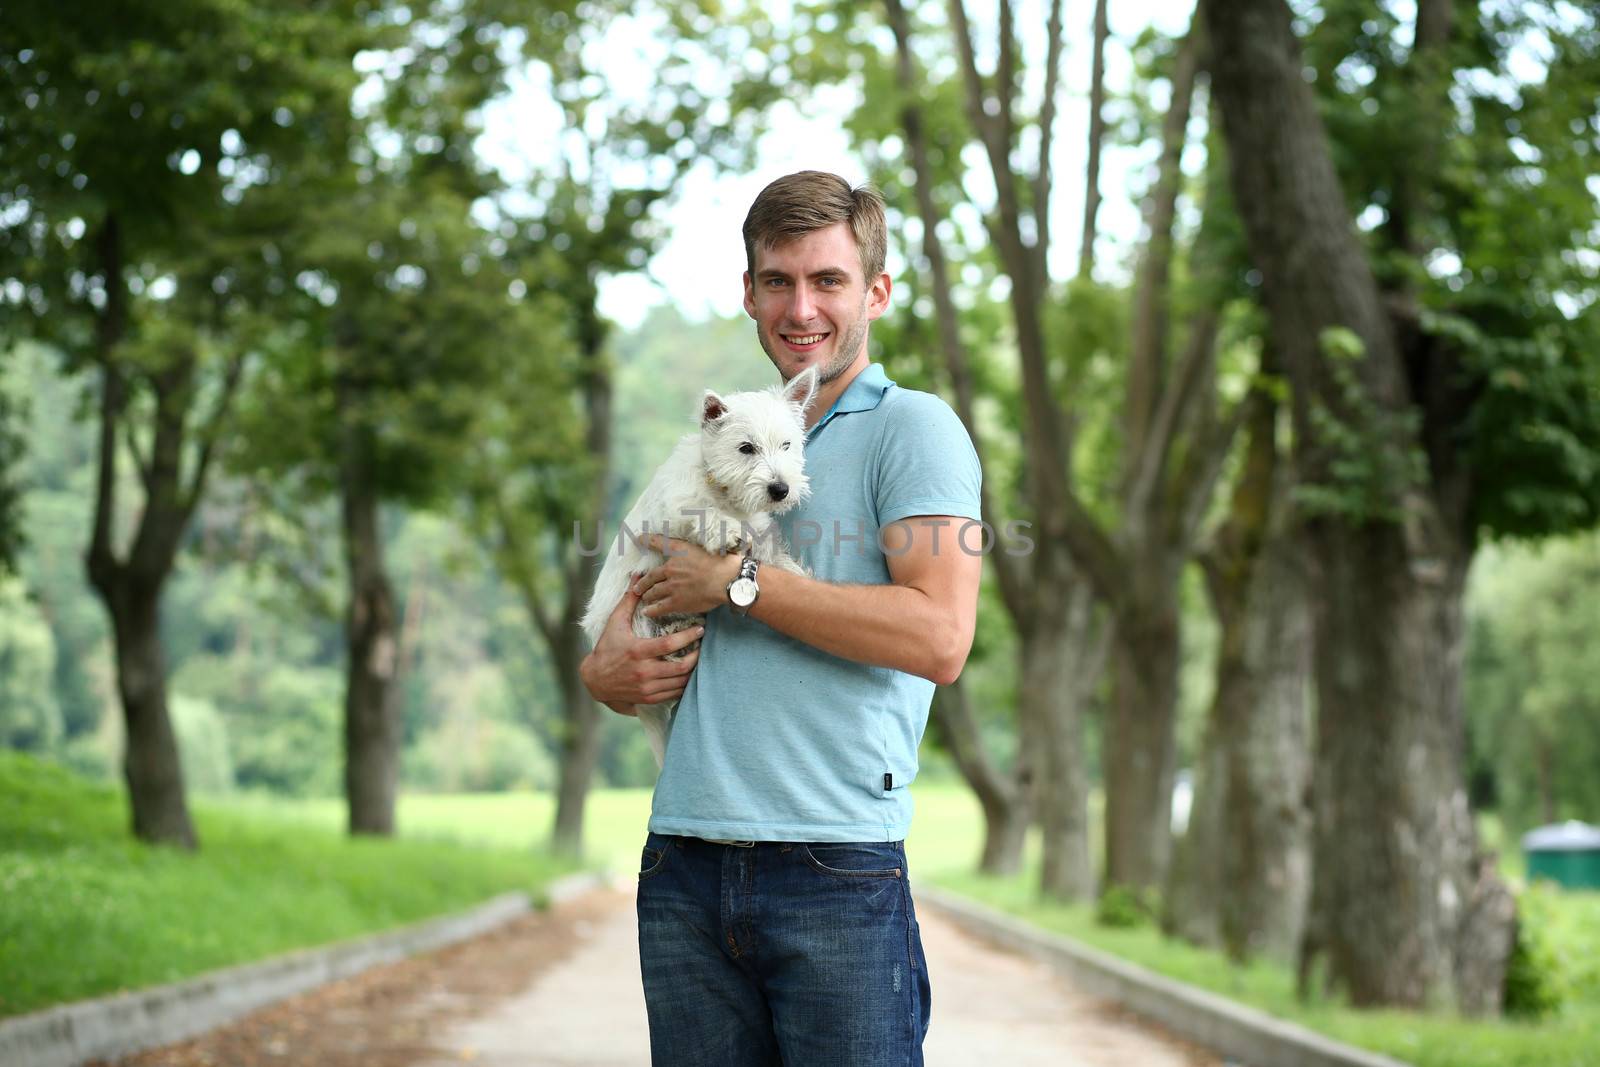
(712, 408)
(878, 296)
(802, 388)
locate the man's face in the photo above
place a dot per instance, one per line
(812, 303)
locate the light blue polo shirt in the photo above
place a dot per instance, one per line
(775, 740)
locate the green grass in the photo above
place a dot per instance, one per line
(88, 911)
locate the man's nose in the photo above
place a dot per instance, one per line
(801, 305)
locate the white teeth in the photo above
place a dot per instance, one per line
(808, 339)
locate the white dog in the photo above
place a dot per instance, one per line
(719, 489)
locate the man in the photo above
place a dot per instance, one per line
(775, 918)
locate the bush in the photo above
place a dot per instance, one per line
(1536, 979)
(1124, 907)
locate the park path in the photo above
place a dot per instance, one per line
(588, 1010)
(562, 989)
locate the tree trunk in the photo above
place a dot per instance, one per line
(1395, 845)
(580, 750)
(1242, 872)
(1004, 803)
(580, 741)
(131, 587)
(1399, 898)
(1061, 663)
(1191, 907)
(1141, 748)
(1266, 742)
(371, 710)
(151, 764)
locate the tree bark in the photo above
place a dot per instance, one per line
(580, 750)
(1003, 800)
(151, 764)
(1140, 745)
(1266, 740)
(1062, 658)
(371, 707)
(1397, 877)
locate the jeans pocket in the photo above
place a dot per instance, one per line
(654, 857)
(868, 859)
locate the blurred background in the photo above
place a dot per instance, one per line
(329, 331)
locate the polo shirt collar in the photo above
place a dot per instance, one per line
(864, 393)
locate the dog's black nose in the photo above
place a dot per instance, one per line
(778, 490)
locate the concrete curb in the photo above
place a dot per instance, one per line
(1243, 1035)
(125, 1023)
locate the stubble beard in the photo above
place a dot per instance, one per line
(843, 355)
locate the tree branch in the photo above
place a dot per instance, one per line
(514, 556)
(1176, 401)
(1047, 122)
(1202, 466)
(1049, 461)
(956, 361)
(1148, 342)
(211, 432)
(1097, 136)
(110, 326)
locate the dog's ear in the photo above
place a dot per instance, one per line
(712, 408)
(802, 388)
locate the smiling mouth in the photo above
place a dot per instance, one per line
(803, 340)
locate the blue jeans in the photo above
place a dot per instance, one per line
(780, 953)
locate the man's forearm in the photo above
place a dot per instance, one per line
(884, 625)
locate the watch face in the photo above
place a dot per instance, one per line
(743, 592)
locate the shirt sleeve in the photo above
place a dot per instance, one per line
(926, 462)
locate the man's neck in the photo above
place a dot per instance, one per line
(830, 393)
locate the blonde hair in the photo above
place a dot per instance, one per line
(811, 200)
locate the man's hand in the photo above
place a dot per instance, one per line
(624, 670)
(691, 582)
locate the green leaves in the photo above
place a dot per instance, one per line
(1371, 457)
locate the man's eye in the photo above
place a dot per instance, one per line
(748, 449)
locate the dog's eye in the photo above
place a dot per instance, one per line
(784, 446)
(748, 449)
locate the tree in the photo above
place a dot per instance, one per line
(546, 468)
(1241, 873)
(119, 196)
(1418, 402)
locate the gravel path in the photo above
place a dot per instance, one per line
(562, 989)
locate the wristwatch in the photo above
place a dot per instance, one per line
(743, 590)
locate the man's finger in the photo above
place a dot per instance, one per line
(657, 647)
(668, 546)
(624, 609)
(686, 664)
(672, 692)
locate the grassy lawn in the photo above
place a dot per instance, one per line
(88, 911)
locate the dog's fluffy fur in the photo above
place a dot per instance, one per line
(717, 489)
